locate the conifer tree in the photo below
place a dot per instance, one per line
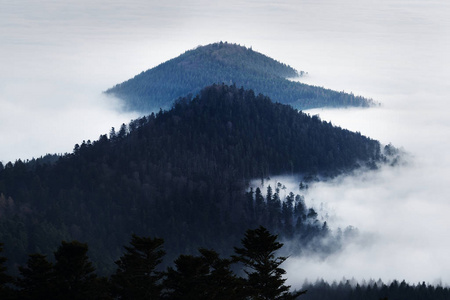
(201, 277)
(37, 278)
(75, 277)
(264, 276)
(136, 276)
(187, 280)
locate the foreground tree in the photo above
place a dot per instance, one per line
(136, 276)
(264, 276)
(74, 273)
(201, 277)
(37, 278)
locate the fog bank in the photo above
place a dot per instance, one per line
(401, 212)
(57, 58)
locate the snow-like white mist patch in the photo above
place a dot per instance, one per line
(399, 214)
(325, 242)
(402, 228)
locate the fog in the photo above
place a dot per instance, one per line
(57, 58)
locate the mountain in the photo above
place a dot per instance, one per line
(225, 63)
(181, 175)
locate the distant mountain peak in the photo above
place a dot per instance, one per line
(225, 63)
(242, 57)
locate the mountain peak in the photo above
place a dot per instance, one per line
(240, 57)
(179, 174)
(225, 63)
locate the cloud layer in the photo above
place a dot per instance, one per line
(57, 58)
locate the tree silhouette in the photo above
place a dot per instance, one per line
(201, 277)
(136, 276)
(264, 276)
(37, 278)
(75, 277)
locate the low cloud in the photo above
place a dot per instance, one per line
(401, 212)
(52, 119)
(56, 60)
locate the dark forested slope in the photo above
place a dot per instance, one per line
(395, 290)
(230, 64)
(180, 175)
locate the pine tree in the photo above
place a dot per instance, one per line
(136, 276)
(222, 283)
(201, 277)
(75, 277)
(287, 213)
(187, 281)
(260, 207)
(264, 276)
(37, 278)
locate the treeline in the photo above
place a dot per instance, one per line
(252, 272)
(288, 216)
(180, 174)
(138, 274)
(225, 63)
(348, 290)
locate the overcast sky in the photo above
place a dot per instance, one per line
(57, 57)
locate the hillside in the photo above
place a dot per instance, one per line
(181, 175)
(225, 63)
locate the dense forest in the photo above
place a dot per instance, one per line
(253, 272)
(374, 290)
(181, 175)
(138, 275)
(225, 63)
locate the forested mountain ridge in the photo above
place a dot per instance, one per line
(180, 175)
(230, 64)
